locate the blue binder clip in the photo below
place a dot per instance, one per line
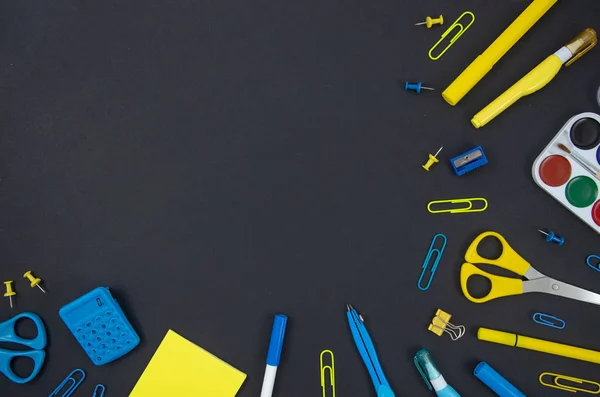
(438, 256)
(549, 321)
(468, 161)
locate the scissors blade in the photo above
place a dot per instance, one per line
(554, 287)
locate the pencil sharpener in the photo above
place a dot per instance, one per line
(468, 161)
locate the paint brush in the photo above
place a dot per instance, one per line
(582, 161)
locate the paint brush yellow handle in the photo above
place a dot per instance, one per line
(536, 79)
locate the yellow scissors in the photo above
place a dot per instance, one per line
(506, 286)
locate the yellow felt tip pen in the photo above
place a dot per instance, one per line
(537, 78)
(540, 345)
(486, 61)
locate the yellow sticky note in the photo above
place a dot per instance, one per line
(183, 369)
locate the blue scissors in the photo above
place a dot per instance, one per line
(367, 352)
(9, 335)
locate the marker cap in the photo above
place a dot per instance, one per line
(495, 381)
(276, 343)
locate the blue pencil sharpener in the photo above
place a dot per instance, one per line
(468, 161)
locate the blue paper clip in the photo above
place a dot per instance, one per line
(430, 253)
(99, 390)
(589, 262)
(549, 321)
(71, 382)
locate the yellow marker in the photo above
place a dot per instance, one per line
(461, 30)
(431, 21)
(556, 378)
(327, 368)
(432, 160)
(540, 345)
(35, 282)
(9, 292)
(538, 77)
(486, 61)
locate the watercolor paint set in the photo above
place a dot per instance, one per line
(568, 168)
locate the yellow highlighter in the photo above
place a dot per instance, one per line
(540, 345)
(538, 77)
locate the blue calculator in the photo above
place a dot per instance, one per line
(100, 326)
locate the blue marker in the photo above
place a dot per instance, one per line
(274, 354)
(495, 381)
(432, 376)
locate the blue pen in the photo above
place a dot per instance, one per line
(365, 347)
(432, 376)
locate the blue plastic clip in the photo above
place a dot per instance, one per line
(596, 267)
(549, 321)
(468, 161)
(430, 253)
(99, 390)
(69, 381)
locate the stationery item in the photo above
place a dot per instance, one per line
(581, 160)
(567, 180)
(9, 292)
(598, 96)
(505, 286)
(486, 61)
(537, 78)
(98, 323)
(429, 22)
(183, 369)
(589, 262)
(432, 159)
(461, 30)
(460, 210)
(540, 345)
(99, 391)
(36, 345)
(591, 387)
(549, 321)
(468, 161)
(366, 348)
(492, 379)
(274, 354)
(69, 384)
(438, 252)
(324, 368)
(417, 87)
(441, 323)
(553, 238)
(432, 376)
(34, 281)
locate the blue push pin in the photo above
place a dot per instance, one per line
(416, 87)
(551, 237)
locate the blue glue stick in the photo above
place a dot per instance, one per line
(495, 381)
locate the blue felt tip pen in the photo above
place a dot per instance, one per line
(274, 354)
(432, 376)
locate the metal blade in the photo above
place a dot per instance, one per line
(551, 286)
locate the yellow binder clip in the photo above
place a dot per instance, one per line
(324, 369)
(461, 31)
(441, 323)
(590, 387)
(459, 210)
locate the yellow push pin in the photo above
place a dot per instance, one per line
(9, 292)
(35, 282)
(431, 21)
(432, 160)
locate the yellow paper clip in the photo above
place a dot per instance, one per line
(593, 389)
(324, 369)
(441, 323)
(460, 210)
(462, 30)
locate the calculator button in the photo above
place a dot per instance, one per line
(123, 334)
(103, 326)
(81, 337)
(98, 358)
(118, 347)
(113, 341)
(94, 331)
(108, 313)
(108, 333)
(88, 324)
(79, 329)
(98, 319)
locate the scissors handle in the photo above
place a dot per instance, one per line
(500, 286)
(508, 259)
(6, 356)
